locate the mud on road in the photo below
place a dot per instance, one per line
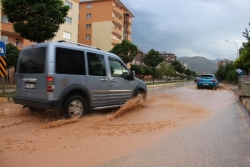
(44, 139)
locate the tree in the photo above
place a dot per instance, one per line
(125, 50)
(153, 59)
(246, 35)
(177, 66)
(12, 53)
(35, 20)
(138, 69)
(166, 69)
(243, 62)
(227, 73)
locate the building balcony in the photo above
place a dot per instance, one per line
(116, 31)
(129, 30)
(117, 21)
(7, 27)
(129, 21)
(117, 11)
(116, 41)
(129, 38)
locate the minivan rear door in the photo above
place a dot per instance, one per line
(30, 76)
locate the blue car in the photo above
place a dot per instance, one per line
(207, 81)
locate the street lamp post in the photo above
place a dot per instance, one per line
(236, 48)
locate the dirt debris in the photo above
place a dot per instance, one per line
(129, 106)
(60, 122)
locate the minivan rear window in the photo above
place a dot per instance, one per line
(32, 60)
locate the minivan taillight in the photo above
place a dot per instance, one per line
(50, 84)
(213, 80)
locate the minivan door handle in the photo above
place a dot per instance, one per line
(113, 80)
(104, 79)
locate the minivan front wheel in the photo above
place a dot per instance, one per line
(141, 95)
(75, 106)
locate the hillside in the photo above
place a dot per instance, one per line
(200, 64)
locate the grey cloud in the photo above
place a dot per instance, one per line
(190, 27)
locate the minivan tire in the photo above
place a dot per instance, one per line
(141, 94)
(75, 106)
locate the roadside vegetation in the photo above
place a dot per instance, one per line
(7, 94)
(153, 68)
(228, 72)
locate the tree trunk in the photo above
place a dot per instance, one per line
(153, 74)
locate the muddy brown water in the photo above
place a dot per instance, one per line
(30, 138)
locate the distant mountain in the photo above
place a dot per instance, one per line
(200, 64)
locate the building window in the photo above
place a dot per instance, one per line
(5, 39)
(69, 4)
(88, 15)
(89, 5)
(116, 37)
(88, 26)
(66, 35)
(68, 20)
(88, 37)
(17, 42)
(5, 19)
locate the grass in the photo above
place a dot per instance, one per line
(158, 83)
(7, 94)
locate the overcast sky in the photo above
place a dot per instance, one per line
(190, 27)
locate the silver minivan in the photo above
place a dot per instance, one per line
(73, 78)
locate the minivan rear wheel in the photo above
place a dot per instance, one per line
(75, 106)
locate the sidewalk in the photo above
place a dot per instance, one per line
(244, 100)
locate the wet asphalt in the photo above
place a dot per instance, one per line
(221, 140)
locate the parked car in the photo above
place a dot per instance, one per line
(196, 79)
(73, 78)
(207, 81)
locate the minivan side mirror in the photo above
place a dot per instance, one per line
(132, 75)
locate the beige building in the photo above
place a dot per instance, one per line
(104, 23)
(69, 30)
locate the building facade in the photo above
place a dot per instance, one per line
(168, 57)
(224, 62)
(184, 64)
(104, 23)
(139, 58)
(67, 31)
(8, 35)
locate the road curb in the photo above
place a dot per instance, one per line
(246, 103)
(166, 84)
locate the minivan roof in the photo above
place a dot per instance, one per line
(66, 44)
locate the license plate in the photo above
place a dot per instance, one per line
(205, 84)
(30, 86)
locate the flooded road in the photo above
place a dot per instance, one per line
(177, 126)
